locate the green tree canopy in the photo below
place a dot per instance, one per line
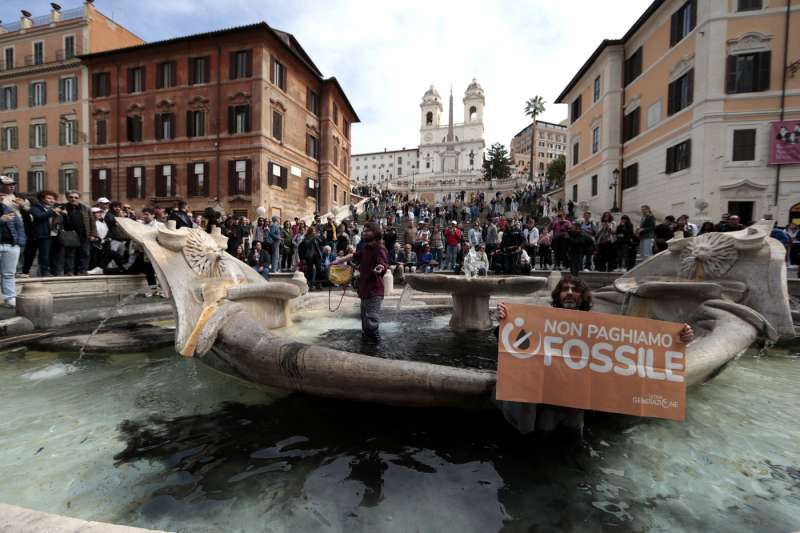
(497, 164)
(556, 170)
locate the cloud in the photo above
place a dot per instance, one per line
(386, 54)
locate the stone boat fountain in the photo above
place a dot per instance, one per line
(730, 287)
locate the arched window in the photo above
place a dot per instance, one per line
(473, 113)
(429, 118)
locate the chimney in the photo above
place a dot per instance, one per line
(25, 21)
(55, 13)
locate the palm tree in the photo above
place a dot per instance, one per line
(533, 107)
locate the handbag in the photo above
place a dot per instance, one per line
(69, 238)
(340, 275)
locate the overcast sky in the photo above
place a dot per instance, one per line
(386, 54)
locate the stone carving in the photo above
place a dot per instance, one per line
(749, 42)
(681, 67)
(204, 255)
(711, 254)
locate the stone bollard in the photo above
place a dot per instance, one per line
(36, 304)
(299, 279)
(388, 282)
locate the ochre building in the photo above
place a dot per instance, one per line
(235, 119)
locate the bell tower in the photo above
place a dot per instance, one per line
(474, 101)
(431, 109)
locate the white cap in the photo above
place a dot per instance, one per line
(7, 180)
(103, 200)
(96, 210)
(453, 222)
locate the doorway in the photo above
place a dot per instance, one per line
(744, 210)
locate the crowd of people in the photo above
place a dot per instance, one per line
(470, 234)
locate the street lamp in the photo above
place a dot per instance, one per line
(613, 185)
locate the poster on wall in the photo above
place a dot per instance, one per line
(784, 144)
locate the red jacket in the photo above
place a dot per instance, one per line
(453, 236)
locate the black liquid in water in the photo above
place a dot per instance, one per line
(418, 340)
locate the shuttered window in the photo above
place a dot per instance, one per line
(67, 132)
(166, 75)
(277, 124)
(630, 176)
(136, 80)
(101, 183)
(630, 125)
(312, 101)
(312, 146)
(633, 66)
(67, 180)
(594, 185)
(744, 145)
(575, 109)
(37, 94)
(238, 119)
(278, 74)
(239, 177)
(134, 127)
(8, 98)
(165, 126)
(68, 89)
(166, 178)
(241, 64)
(101, 84)
(36, 180)
(197, 183)
(683, 22)
(38, 136)
(576, 150)
(100, 131)
(199, 70)
(195, 123)
(747, 73)
(679, 157)
(136, 184)
(9, 138)
(680, 93)
(278, 175)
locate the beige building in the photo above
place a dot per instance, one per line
(551, 142)
(44, 96)
(683, 106)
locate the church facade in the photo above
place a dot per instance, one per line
(446, 150)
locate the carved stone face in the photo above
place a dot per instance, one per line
(204, 255)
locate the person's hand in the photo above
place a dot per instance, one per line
(687, 334)
(8, 217)
(378, 269)
(502, 311)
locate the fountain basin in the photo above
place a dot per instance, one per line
(471, 295)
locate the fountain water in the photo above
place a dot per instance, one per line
(113, 314)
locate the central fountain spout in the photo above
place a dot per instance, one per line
(471, 295)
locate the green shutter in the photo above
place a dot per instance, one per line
(31, 136)
(61, 186)
(62, 133)
(44, 135)
(14, 138)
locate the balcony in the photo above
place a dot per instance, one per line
(46, 20)
(60, 56)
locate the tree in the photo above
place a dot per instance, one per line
(533, 107)
(556, 170)
(497, 164)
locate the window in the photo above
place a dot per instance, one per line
(576, 153)
(335, 191)
(575, 193)
(744, 145)
(37, 94)
(36, 180)
(278, 175)
(335, 114)
(312, 101)
(38, 53)
(595, 141)
(747, 73)
(239, 177)
(277, 125)
(67, 132)
(165, 75)
(429, 118)
(67, 180)
(69, 47)
(312, 146)
(165, 126)
(101, 183)
(336, 154)
(679, 157)
(68, 89)
(683, 22)
(749, 5)
(165, 180)
(596, 89)
(681, 93)
(311, 187)
(38, 135)
(630, 176)
(100, 131)
(198, 179)
(575, 109)
(8, 98)
(278, 74)
(136, 80)
(239, 119)
(9, 139)
(101, 84)
(134, 129)
(630, 125)
(241, 64)
(594, 185)
(8, 56)
(199, 71)
(136, 183)
(633, 66)
(195, 123)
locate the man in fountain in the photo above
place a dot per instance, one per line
(372, 260)
(574, 294)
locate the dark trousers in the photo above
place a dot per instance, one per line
(286, 258)
(31, 248)
(575, 263)
(140, 266)
(370, 316)
(44, 246)
(560, 251)
(76, 260)
(57, 252)
(313, 271)
(544, 256)
(606, 259)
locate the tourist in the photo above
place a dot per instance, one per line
(12, 238)
(311, 254)
(390, 234)
(328, 258)
(260, 259)
(560, 229)
(452, 236)
(492, 238)
(734, 224)
(329, 233)
(606, 247)
(342, 239)
(722, 226)
(475, 235)
(647, 230)
(511, 246)
(689, 229)
(239, 253)
(118, 239)
(45, 221)
(437, 245)
(476, 262)
(260, 230)
(286, 247)
(545, 240)
(707, 227)
(663, 233)
(578, 242)
(181, 216)
(78, 219)
(372, 263)
(100, 240)
(408, 259)
(425, 259)
(531, 233)
(275, 241)
(299, 230)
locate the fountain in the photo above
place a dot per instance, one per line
(471, 294)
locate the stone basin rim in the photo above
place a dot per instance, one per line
(462, 285)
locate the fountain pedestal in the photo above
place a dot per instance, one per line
(471, 295)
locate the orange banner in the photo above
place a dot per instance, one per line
(597, 361)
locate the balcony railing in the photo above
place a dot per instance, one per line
(60, 56)
(45, 20)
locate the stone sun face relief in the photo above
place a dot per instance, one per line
(203, 255)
